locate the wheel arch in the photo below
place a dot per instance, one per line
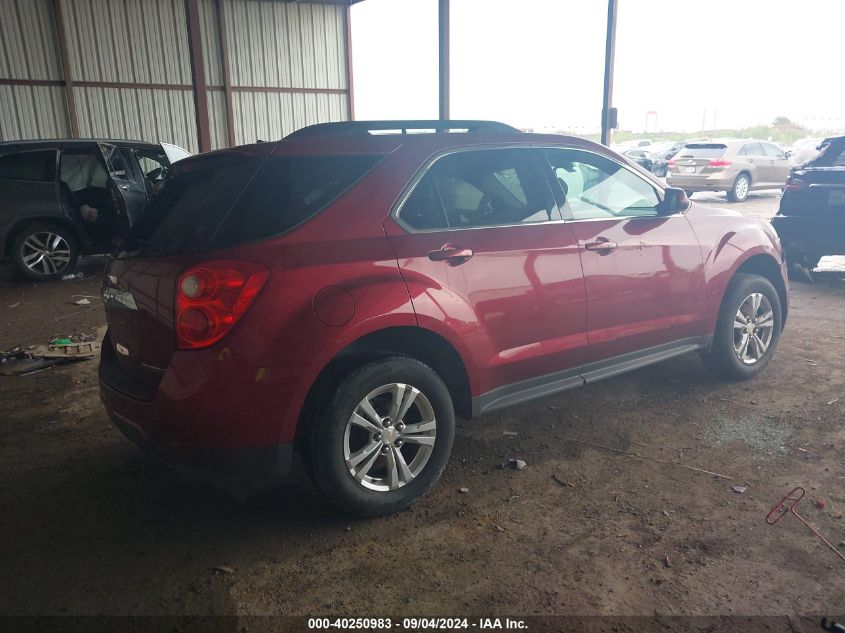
(766, 266)
(22, 223)
(415, 342)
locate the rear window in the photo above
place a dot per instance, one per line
(702, 150)
(289, 190)
(194, 202)
(229, 199)
(37, 166)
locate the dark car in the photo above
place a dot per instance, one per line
(64, 197)
(340, 296)
(648, 161)
(811, 218)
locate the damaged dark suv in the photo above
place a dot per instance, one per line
(811, 218)
(62, 198)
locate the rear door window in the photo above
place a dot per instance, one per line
(37, 165)
(479, 188)
(753, 149)
(702, 150)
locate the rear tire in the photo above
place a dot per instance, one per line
(741, 188)
(378, 459)
(729, 356)
(44, 251)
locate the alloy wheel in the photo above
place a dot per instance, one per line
(741, 188)
(45, 253)
(753, 328)
(389, 437)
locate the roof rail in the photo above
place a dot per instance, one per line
(352, 128)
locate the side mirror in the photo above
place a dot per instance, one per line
(674, 201)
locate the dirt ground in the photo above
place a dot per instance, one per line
(91, 525)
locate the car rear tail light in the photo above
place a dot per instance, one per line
(671, 162)
(793, 184)
(719, 163)
(211, 297)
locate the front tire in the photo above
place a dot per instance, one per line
(741, 188)
(385, 438)
(45, 251)
(747, 330)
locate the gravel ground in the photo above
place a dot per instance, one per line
(91, 525)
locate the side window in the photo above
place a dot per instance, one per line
(753, 149)
(39, 166)
(423, 210)
(598, 187)
(773, 151)
(83, 170)
(116, 162)
(743, 151)
(477, 188)
(838, 158)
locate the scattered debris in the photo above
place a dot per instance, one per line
(561, 481)
(651, 459)
(15, 305)
(463, 490)
(803, 450)
(509, 433)
(35, 358)
(666, 561)
(516, 464)
(223, 569)
(83, 302)
(834, 401)
(739, 489)
(498, 527)
(820, 504)
(71, 276)
(666, 513)
(810, 361)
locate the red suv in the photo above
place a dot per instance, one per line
(338, 296)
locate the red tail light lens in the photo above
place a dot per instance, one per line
(719, 163)
(211, 297)
(671, 162)
(793, 184)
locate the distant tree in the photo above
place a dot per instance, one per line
(782, 121)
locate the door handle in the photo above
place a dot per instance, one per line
(602, 246)
(451, 254)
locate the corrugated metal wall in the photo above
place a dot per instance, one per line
(29, 50)
(131, 68)
(290, 48)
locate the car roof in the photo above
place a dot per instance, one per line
(73, 142)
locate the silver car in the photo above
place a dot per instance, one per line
(734, 166)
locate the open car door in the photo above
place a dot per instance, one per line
(128, 195)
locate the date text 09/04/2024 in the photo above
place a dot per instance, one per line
(416, 624)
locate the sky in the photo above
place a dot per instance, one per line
(681, 65)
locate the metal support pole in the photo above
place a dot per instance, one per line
(73, 122)
(609, 55)
(198, 75)
(443, 28)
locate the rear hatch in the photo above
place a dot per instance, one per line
(697, 160)
(213, 202)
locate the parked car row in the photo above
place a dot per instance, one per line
(734, 166)
(66, 197)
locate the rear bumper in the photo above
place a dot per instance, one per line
(259, 466)
(717, 182)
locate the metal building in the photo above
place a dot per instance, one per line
(202, 74)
